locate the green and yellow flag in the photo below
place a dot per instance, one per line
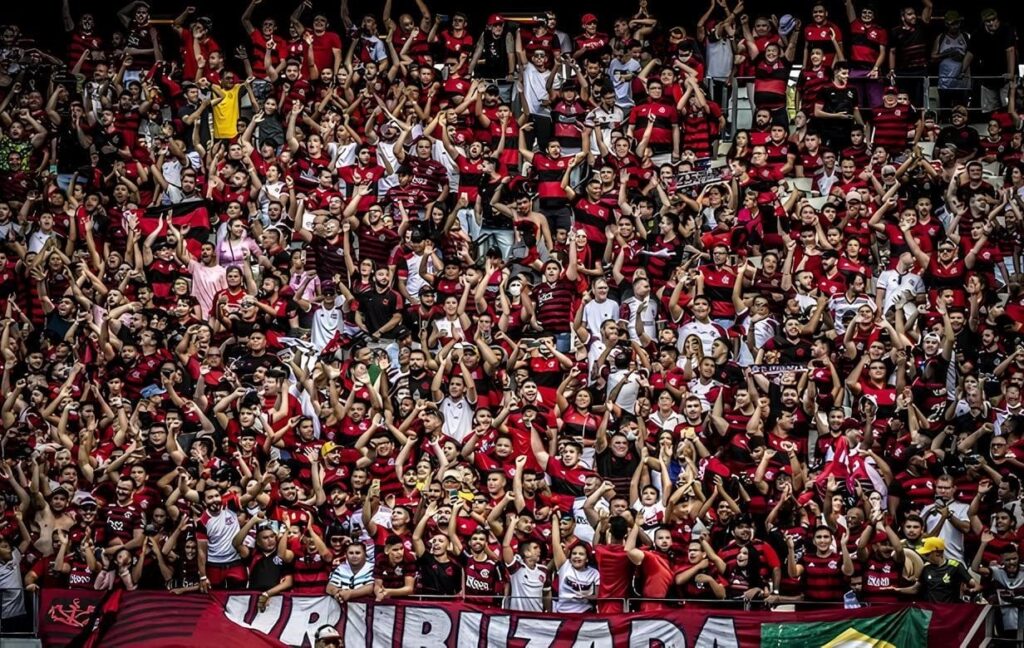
(905, 629)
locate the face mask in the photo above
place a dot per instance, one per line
(515, 289)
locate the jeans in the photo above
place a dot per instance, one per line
(503, 239)
(467, 219)
(563, 341)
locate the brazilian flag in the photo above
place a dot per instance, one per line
(905, 629)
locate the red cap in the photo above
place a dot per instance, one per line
(588, 18)
(891, 90)
(765, 198)
(495, 19)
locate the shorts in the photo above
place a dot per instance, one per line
(226, 575)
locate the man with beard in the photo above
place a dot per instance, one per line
(743, 536)
(1007, 580)
(378, 309)
(289, 509)
(483, 578)
(124, 519)
(220, 565)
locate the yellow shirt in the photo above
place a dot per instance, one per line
(225, 114)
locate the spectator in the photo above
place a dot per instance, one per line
(429, 313)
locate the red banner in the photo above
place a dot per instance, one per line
(227, 620)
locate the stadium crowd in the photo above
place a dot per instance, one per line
(517, 313)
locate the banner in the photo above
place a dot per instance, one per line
(777, 369)
(63, 614)
(229, 620)
(700, 177)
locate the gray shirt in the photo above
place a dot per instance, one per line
(12, 594)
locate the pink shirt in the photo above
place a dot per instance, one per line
(207, 281)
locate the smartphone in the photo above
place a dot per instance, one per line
(453, 495)
(444, 18)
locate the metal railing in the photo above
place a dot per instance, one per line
(23, 625)
(740, 108)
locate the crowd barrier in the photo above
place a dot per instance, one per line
(148, 619)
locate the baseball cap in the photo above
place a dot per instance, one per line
(952, 17)
(891, 90)
(588, 18)
(327, 632)
(86, 501)
(495, 19)
(931, 545)
(152, 390)
(989, 14)
(328, 448)
(854, 196)
(451, 474)
(328, 288)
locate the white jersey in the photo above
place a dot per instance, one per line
(219, 530)
(526, 591)
(896, 284)
(574, 585)
(708, 332)
(843, 310)
(326, 322)
(458, 418)
(414, 281)
(649, 318)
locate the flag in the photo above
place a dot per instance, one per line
(845, 465)
(102, 619)
(907, 628)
